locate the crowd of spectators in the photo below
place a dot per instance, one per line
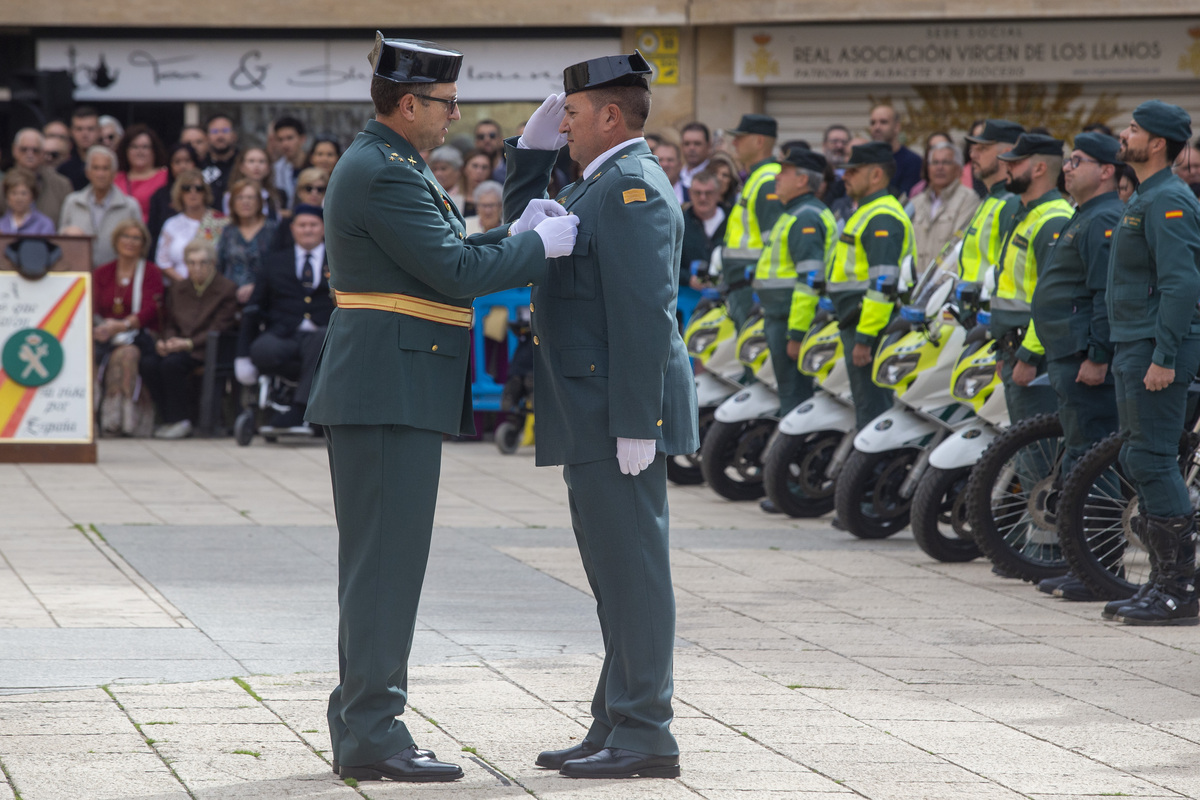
(181, 234)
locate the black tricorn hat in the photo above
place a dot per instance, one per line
(804, 158)
(414, 61)
(622, 70)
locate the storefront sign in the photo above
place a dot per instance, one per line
(970, 52)
(300, 70)
(45, 358)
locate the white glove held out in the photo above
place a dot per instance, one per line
(244, 369)
(535, 212)
(558, 235)
(541, 132)
(634, 455)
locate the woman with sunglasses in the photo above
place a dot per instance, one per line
(180, 156)
(196, 219)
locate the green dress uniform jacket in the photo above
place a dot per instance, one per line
(389, 228)
(608, 357)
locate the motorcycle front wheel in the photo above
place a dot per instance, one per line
(794, 472)
(939, 516)
(731, 457)
(867, 497)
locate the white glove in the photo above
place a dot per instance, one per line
(558, 235)
(541, 132)
(246, 372)
(634, 455)
(535, 212)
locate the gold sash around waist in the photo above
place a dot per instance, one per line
(407, 305)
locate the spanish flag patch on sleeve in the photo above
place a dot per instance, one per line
(1176, 214)
(634, 196)
(772, 197)
(808, 230)
(1108, 234)
(881, 234)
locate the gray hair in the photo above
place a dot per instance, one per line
(814, 178)
(446, 154)
(108, 120)
(947, 146)
(40, 137)
(203, 246)
(104, 151)
(487, 187)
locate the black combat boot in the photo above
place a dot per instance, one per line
(1172, 599)
(1138, 525)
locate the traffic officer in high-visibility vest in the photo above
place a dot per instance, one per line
(985, 233)
(1034, 165)
(754, 214)
(1070, 318)
(797, 245)
(1153, 289)
(863, 275)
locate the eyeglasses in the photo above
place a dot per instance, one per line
(194, 188)
(488, 135)
(216, 131)
(1075, 161)
(317, 189)
(132, 237)
(450, 104)
(27, 149)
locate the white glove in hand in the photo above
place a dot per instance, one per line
(244, 369)
(541, 132)
(558, 235)
(535, 212)
(634, 455)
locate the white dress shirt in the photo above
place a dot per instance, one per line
(318, 264)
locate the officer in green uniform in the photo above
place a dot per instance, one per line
(1153, 289)
(1033, 165)
(797, 245)
(1070, 318)
(392, 378)
(615, 395)
(863, 276)
(754, 214)
(985, 233)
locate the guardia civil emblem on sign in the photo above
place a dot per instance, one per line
(32, 357)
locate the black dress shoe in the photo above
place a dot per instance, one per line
(1077, 591)
(1048, 585)
(554, 759)
(612, 762)
(337, 768)
(406, 765)
(769, 506)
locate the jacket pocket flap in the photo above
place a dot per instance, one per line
(424, 336)
(584, 362)
(582, 240)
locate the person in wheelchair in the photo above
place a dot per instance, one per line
(283, 325)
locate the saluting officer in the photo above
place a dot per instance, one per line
(1070, 318)
(615, 395)
(393, 378)
(985, 233)
(753, 215)
(797, 245)
(1033, 165)
(1153, 288)
(863, 277)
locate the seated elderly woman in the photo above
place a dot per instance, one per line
(487, 199)
(192, 198)
(446, 163)
(126, 295)
(22, 217)
(205, 302)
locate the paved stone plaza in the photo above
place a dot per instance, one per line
(168, 618)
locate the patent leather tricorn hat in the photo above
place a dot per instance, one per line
(414, 61)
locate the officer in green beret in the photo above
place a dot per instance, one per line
(393, 378)
(1034, 165)
(615, 395)
(863, 273)
(753, 215)
(989, 226)
(1153, 289)
(1070, 318)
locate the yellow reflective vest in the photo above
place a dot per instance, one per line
(743, 234)
(984, 235)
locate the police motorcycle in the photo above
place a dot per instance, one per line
(813, 439)
(939, 520)
(731, 455)
(711, 339)
(915, 359)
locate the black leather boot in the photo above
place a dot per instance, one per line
(1138, 526)
(1172, 599)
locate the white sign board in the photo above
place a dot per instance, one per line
(299, 70)
(46, 358)
(1079, 51)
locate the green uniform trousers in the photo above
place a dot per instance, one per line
(1025, 401)
(794, 387)
(739, 302)
(620, 524)
(870, 399)
(1087, 413)
(385, 482)
(1151, 424)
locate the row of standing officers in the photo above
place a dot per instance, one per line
(1101, 296)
